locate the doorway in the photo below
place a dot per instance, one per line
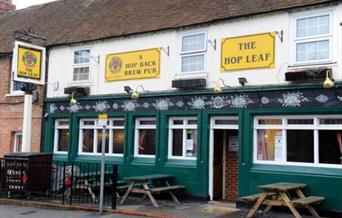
(223, 158)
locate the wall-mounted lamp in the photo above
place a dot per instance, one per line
(328, 82)
(166, 50)
(128, 89)
(218, 88)
(73, 101)
(212, 43)
(135, 95)
(242, 81)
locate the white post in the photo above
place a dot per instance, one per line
(102, 168)
(26, 146)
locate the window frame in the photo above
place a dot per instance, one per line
(15, 141)
(185, 126)
(80, 65)
(95, 127)
(182, 54)
(56, 135)
(315, 127)
(294, 40)
(137, 127)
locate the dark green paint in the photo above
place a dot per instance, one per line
(194, 174)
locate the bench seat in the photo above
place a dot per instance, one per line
(253, 198)
(167, 188)
(302, 202)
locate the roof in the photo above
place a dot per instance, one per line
(72, 21)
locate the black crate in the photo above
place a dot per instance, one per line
(26, 172)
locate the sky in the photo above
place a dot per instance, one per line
(26, 3)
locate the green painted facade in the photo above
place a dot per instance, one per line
(326, 182)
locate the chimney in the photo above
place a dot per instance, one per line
(6, 6)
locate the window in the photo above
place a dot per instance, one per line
(314, 140)
(81, 65)
(183, 138)
(193, 53)
(313, 37)
(61, 143)
(17, 142)
(90, 141)
(145, 137)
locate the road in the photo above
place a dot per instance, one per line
(13, 211)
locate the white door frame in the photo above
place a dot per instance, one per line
(213, 126)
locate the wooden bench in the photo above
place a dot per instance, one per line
(167, 188)
(255, 197)
(304, 202)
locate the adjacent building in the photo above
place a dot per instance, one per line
(11, 96)
(225, 95)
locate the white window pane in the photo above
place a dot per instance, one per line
(193, 42)
(324, 25)
(324, 50)
(81, 73)
(311, 51)
(81, 57)
(193, 63)
(313, 26)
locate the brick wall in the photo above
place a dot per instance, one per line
(11, 112)
(6, 6)
(231, 180)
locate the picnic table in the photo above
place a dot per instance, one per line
(151, 184)
(90, 181)
(279, 194)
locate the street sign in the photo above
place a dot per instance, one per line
(103, 120)
(28, 64)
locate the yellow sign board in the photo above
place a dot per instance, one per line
(248, 52)
(133, 65)
(29, 63)
(102, 119)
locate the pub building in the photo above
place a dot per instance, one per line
(225, 98)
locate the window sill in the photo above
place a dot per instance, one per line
(81, 83)
(181, 162)
(14, 94)
(143, 161)
(201, 75)
(310, 170)
(312, 65)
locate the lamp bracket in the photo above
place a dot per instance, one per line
(166, 50)
(280, 35)
(212, 43)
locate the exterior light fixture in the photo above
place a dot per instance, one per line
(73, 101)
(242, 81)
(218, 88)
(135, 95)
(328, 82)
(128, 89)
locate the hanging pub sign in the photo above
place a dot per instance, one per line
(133, 65)
(28, 63)
(248, 52)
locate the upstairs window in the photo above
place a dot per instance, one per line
(313, 38)
(193, 49)
(81, 65)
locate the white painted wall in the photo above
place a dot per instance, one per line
(60, 58)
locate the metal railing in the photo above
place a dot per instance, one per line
(68, 183)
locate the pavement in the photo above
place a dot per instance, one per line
(134, 207)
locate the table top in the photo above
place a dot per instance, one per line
(281, 186)
(147, 177)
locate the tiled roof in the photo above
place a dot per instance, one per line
(70, 21)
